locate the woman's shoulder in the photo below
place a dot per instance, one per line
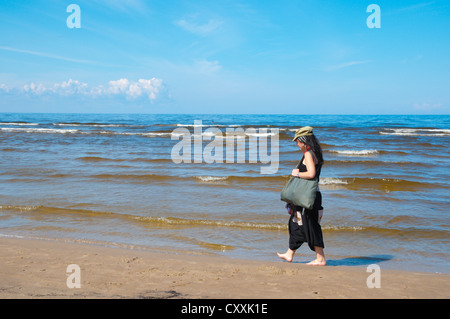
(310, 155)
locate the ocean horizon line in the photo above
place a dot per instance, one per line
(273, 114)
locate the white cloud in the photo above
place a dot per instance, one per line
(35, 88)
(70, 87)
(143, 87)
(55, 57)
(46, 55)
(119, 86)
(4, 88)
(199, 28)
(147, 88)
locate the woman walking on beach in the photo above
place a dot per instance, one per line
(304, 224)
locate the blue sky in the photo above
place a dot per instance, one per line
(225, 56)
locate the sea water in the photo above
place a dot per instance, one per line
(111, 179)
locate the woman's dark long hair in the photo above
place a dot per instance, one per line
(313, 143)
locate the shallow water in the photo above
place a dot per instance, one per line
(113, 180)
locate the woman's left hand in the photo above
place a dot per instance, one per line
(295, 172)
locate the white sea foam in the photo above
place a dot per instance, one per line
(342, 228)
(195, 125)
(37, 130)
(66, 131)
(262, 134)
(332, 181)
(19, 123)
(209, 125)
(209, 179)
(94, 125)
(11, 236)
(150, 134)
(355, 152)
(416, 132)
(20, 208)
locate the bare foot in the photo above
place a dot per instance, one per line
(317, 263)
(286, 256)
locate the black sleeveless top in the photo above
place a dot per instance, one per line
(302, 167)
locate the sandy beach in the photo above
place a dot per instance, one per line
(37, 269)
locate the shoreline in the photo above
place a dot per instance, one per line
(37, 269)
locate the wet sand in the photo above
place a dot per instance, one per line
(37, 269)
